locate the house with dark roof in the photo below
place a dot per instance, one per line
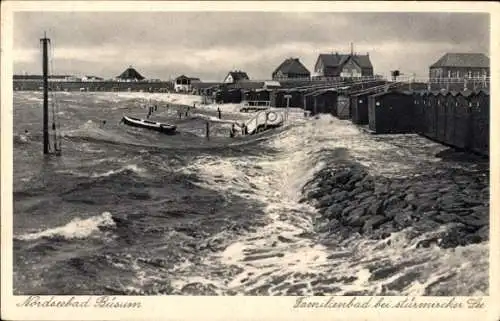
(235, 76)
(343, 65)
(130, 74)
(460, 65)
(291, 68)
(184, 83)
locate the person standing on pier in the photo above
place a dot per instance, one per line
(243, 129)
(232, 132)
(219, 112)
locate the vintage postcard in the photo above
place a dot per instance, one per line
(249, 160)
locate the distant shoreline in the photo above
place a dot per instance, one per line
(150, 86)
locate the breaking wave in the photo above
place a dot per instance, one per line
(76, 229)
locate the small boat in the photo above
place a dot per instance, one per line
(148, 124)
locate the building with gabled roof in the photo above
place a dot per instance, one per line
(130, 74)
(468, 60)
(457, 71)
(343, 65)
(184, 83)
(235, 76)
(291, 68)
(460, 65)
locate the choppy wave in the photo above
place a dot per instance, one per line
(94, 132)
(22, 139)
(128, 170)
(132, 167)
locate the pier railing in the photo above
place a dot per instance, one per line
(255, 103)
(456, 84)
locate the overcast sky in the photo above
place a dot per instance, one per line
(209, 44)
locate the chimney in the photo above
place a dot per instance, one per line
(352, 49)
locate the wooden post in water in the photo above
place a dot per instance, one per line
(305, 101)
(287, 105)
(45, 41)
(208, 130)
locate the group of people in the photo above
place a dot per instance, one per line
(244, 130)
(186, 111)
(180, 111)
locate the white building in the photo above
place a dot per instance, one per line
(184, 83)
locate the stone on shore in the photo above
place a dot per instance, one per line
(350, 200)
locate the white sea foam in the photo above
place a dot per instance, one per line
(182, 99)
(21, 138)
(224, 108)
(76, 229)
(35, 99)
(212, 118)
(130, 167)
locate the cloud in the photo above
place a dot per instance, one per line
(208, 44)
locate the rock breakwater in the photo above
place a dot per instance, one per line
(449, 204)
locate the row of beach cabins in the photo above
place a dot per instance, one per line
(458, 119)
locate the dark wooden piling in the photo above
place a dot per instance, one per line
(45, 65)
